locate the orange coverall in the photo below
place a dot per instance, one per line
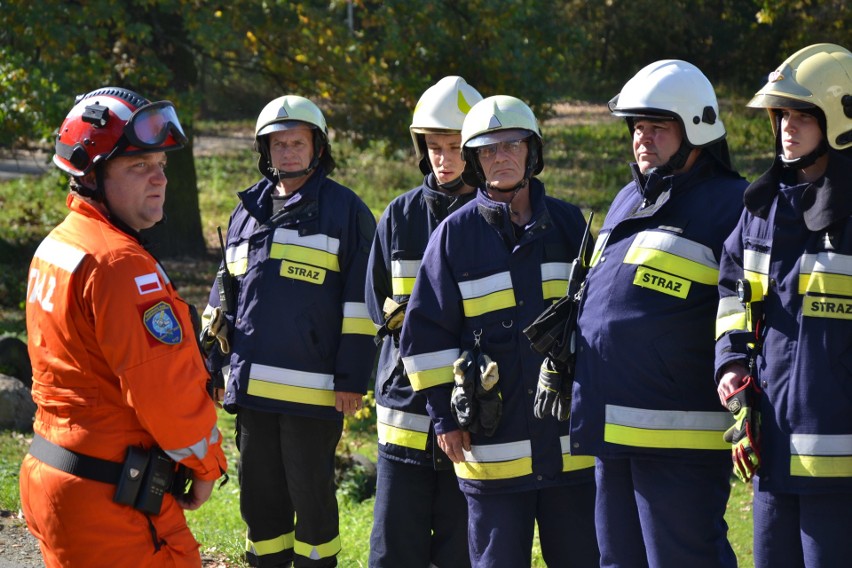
(115, 364)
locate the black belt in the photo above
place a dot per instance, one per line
(80, 465)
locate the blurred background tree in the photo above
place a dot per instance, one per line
(366, 62)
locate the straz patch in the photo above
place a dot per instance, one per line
(827, 308)
(304, 272)
(662, 282)
(162, 324)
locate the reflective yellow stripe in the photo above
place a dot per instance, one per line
(670, 429)
(825, 273)
(402, 286)
(289, 393)
(554, 279)
(402, 428)
(272, 545)
(730, 316)
(756, 268)
(291, 385)
(500, 470)
(430, 369)
(487, 294)
(496, 461)
(318, 551)
(673, 254)
(356, 319)
(600, 243)
(236, 257)
(832, 308)
(316, 250)
(59, 254)
(403, 275)
(816, 455)
(401, 437)
(573, 463)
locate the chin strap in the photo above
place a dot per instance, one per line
(452, 186)
(807, 160)
(515, 190)
(675, 163)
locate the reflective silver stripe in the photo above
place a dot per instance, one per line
(821, 444)
(499, 452)
(236, 253)
(729, 306)
(600, 243)
(402, 419)
(198, 449)
(679, 246)
(292, 377)
(555, 271)
(356, 310)
(826, 262)
(59, 254)
(484, 286)
(434, 360)
(404, 268)
(163, 274)
(667, 419)
(565, 444)
(754, 261)
(318, 242)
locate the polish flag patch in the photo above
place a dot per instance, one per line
(148, 283)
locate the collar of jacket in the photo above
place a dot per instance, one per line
(657, 190)
(77, 203)
(824, 202)
(441, 204)
(257, 200)
(497, 213)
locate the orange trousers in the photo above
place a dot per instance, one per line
(78, 524)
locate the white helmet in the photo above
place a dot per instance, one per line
(288, 112)
(673, 89)
(495, 119)
(441, 109)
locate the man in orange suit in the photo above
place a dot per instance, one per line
(117, 374)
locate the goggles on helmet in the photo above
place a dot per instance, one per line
(149, 126)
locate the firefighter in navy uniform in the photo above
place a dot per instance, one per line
(299, 337)
(643, 399)
(116, 368)
(420, 516)
(488, 271)
(790, 259)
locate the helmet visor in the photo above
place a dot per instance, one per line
(150, 126)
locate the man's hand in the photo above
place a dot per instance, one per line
(552, 395)
(348, 402)
(199, 493)
(216, 330)
(453, 442)
(744, 434)
(733, 377)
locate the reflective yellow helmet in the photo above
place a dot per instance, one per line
(819, 76)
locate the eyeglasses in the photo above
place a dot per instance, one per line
(149, 126)
(513, 148)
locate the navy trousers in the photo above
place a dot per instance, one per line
(502, 527)
(419, 519)
(663, 513)
(798, 531)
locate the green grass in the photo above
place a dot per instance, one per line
(584, 164)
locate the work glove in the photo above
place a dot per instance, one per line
(488, 397)
(464, 386)
(744, 434)
(216, 331)
(553, 393)
(394, 314)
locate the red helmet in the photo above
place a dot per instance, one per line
(112, 122)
